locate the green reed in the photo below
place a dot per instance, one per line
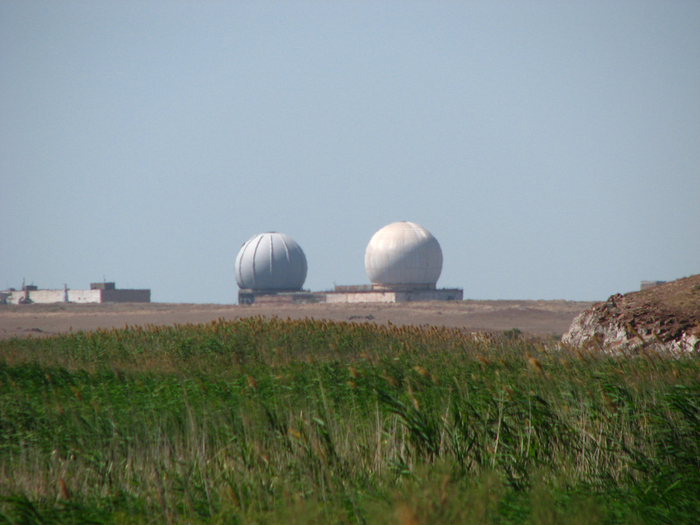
(273, 421)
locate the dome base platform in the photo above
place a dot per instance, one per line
(246, 296)
(402, 294)
(351, 294)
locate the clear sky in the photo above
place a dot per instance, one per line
(553, 148)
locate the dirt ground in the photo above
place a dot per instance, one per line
(544, 318)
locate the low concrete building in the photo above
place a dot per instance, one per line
(362, 295)
(98, 293)
(645, 285)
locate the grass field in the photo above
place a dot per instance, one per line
(271, 421)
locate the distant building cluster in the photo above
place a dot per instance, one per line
(403, 262)
(98, 293)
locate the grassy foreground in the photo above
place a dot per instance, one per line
(271, 421)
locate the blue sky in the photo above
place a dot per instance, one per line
(553, 148)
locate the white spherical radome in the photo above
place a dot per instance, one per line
(403, 254)
(271, 261)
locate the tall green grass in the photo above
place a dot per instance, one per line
(271, 421)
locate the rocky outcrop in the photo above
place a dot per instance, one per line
(665, 318)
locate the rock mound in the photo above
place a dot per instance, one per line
(665, 317)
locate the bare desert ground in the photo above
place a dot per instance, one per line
(544, 318)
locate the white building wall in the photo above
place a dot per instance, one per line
(46, 296)
(14, 297)
(85, 296)
(361, 297)
(36, 296)
(79, 296)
